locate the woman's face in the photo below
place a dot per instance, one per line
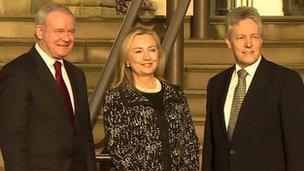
(143, 56)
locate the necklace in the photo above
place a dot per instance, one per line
(150, 90)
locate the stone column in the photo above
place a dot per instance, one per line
(37, 4)
(1, 8)
(10, 7)
(200, 20)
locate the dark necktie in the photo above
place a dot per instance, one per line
(64, 91)
(238, 97)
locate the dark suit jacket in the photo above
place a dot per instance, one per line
(35, 132)
(269, 131)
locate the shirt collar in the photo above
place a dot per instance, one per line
(46, 58)
(251, 69)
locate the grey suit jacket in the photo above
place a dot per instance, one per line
(269, 131)
(35, 132)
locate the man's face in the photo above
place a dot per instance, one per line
(56, 35)
(245, 42)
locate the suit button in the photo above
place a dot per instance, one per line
(232, 152)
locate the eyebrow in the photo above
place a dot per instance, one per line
(153, 46)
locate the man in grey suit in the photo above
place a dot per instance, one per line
(44, 114)
(255, 110)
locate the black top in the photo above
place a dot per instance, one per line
(157, 104)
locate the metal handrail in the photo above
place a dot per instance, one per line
(167, 44)
(174, 26)
(108, 70)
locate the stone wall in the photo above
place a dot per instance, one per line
(17, 23)
(9, 7)
(79, 7)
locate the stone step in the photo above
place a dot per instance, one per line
(195, 81)
(90, 27)
(205, 72)
(203, 59)
(275, 27)
(196, 51)
(191, 74)
(106, 26)
(215, 52)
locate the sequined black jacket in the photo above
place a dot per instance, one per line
(133, 136)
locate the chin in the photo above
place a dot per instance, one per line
(62, 54)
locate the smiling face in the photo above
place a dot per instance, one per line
(143, 56)
(245, 42)
(56, 35)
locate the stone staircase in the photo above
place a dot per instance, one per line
(283, 43)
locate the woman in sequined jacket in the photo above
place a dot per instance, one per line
(147, 120)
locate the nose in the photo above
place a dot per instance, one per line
(66, 37)
(146, 56)
(248, 42)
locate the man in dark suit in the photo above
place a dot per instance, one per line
(255, 110)
(44, 114)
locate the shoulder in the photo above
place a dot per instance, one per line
(21, 65)
(172, 90)
(112, 91)
(21, 62)
(222, 75)
(274, 66)
(167, 84)
(279, 71)
(170, 87)
(72, 67)
(114, 94)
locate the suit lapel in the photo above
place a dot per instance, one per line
(73, 80)
(222, 90)
(256, 90)
(47, 79)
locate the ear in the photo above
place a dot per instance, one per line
(228, 43)
(39, 31)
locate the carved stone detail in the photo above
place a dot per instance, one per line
(123, 5)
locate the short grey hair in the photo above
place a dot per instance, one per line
(241, 13)
(45, 10)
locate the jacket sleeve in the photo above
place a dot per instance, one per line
(292, 116)
(118, 134)
(192, 143)
(14, 112)
(90, 150)
(207, 147)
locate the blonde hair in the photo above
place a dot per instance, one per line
(239, 14)
(124, 74)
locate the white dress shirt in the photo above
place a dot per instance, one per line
(251, 69)
(49, 61)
